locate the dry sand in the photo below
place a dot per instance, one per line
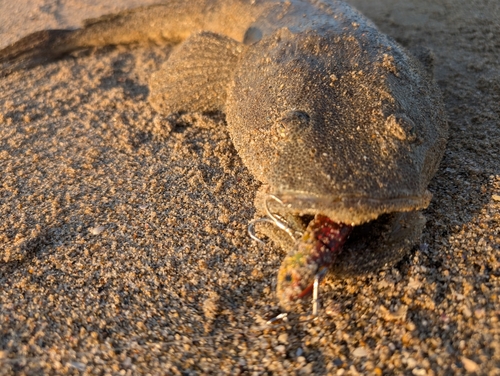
(123, 245)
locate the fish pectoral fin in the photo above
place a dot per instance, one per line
(197, 75)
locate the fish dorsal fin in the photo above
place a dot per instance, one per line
(197, 75)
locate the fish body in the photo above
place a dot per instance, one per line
(331, 115)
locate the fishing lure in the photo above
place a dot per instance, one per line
(313, 254)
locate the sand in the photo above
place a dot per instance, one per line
(123, 245)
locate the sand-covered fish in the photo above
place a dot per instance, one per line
(344, 127)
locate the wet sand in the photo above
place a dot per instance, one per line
(123, 245)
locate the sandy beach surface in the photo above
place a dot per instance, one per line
(123, 244)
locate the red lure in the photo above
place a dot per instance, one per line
(312, 255)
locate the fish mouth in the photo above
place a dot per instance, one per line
(351, 209)
(379, 235)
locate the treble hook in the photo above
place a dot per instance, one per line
(251, 228)
(283, 317)
(271, 218)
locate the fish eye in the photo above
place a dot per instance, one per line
(295, 120)
(288, 277)
(297, 115)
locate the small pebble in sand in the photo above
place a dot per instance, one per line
(470, 365)
(283, 338)
(98, 230)
(360, 352)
